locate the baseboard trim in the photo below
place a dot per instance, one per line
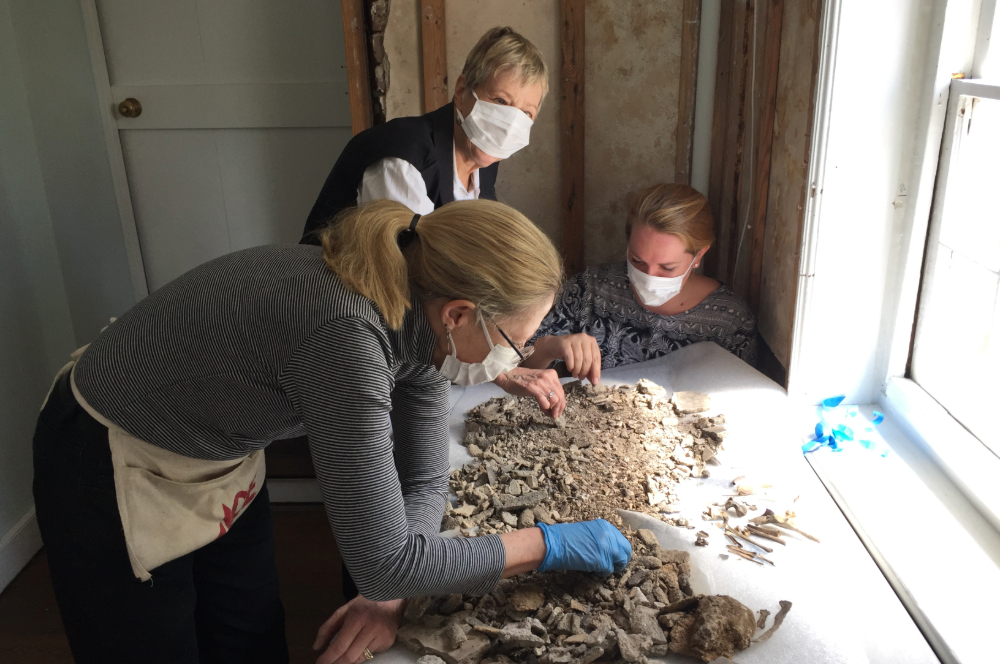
(294, 491)
(18, 546)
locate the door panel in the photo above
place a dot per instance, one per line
(202, 193)
(237, 105)
(150, 42)
(180, 212)
(244, 111)
(271, 179)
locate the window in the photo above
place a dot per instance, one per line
(956, 352)
(936, 360)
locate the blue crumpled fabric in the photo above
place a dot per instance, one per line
(839, 425)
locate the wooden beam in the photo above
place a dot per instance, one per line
(714, 265)
(773, 11)
(732, 184)
(814, 9)
(432, 42)
(353, 14)
(571, 89)
(690, 38)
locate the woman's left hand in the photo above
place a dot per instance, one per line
(542, 384)
(359, 624)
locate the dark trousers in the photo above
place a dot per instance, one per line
(217, 604)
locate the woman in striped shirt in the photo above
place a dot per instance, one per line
(174, 402)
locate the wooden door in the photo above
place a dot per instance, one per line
(244, 109)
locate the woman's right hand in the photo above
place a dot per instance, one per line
(359, 624)
(587, 546)
(580, 352)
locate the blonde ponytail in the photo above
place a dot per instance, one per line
(481, 251)
(361, 247)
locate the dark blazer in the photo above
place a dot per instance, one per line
(426, 142)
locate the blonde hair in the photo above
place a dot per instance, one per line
(503, 50)
(672, 208)
(478, 250)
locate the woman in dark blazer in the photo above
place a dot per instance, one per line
(449, 154)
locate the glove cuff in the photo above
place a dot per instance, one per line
(553, 547)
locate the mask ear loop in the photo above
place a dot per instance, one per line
(691, 266)
(482, 326)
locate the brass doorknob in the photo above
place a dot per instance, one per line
(130, 108)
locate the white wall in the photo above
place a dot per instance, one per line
(36, 331)
(58, 81)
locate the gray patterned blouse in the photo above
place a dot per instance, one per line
(598, 301)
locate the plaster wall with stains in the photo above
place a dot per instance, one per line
(402, 48)
(632, 85)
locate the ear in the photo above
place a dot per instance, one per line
(701, 255)
(457, 313)
(459, 86)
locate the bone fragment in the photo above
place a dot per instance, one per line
(762, 619)
(786, 606)
(757, 532)
(743, 553)
(743, 537)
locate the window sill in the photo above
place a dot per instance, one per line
(971, 466)
(938, 551)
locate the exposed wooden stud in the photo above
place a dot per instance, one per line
(773, 11)
(353, 14)
(435, 57)
(732, 184)
(690, 38)
(815, 6)
(720, 113)
(571, 89)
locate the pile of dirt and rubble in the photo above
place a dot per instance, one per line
(614, 448)
(646, 611)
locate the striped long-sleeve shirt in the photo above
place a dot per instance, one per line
(267, 343)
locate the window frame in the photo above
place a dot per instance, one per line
(970, 464)
(962, 92)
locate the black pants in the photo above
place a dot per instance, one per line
(217, 604)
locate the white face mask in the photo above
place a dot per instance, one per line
(655, 291)
(497, 130)
(500, 359)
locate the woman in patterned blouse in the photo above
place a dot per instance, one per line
(626, 312)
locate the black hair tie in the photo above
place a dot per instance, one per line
(407, 237)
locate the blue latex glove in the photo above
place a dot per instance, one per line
(588, 546)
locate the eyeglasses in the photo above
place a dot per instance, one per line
(522, 352)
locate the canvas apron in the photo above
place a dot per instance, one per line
(171, 505)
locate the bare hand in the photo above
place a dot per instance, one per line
(537, 383)
(359, 624)
(580, 352)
